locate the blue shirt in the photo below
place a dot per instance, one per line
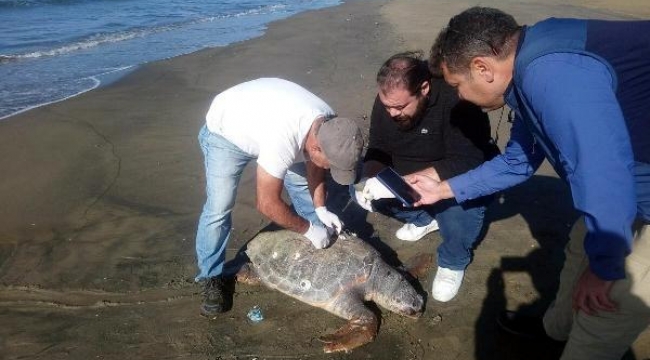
(573, 97)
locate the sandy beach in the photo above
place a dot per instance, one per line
(101, 195)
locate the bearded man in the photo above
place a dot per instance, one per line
(419, 124)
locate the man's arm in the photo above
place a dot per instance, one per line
(316, 183)
(318, 190)
(270, 203)
(518, 163)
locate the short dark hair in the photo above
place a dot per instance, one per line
(477, 31)
(406, 69)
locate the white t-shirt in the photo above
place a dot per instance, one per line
(268, 118)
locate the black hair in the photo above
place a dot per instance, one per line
(477, 31)
(406, 69)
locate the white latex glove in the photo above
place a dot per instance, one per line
(318, 235)
(374, 190)
(362, 201)
(329, 219)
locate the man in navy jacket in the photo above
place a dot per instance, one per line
(580, 91)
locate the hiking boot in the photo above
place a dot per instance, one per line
(214, 297)
(446, 284)
(411, 232)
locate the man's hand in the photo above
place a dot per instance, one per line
(329, 219)
(374, 190)
(430, 172)
(358, 195)
(318, 235)
(429, 189)
(362, 201)
(591, 294)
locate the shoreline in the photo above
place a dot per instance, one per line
(98, 84)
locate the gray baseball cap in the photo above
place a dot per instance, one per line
(342, 142)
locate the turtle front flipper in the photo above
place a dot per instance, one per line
(361, 328)
(356, 332)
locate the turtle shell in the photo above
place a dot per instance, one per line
(286, 261)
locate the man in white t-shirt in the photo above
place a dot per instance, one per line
(295, 137)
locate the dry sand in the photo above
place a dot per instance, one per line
(101, 194)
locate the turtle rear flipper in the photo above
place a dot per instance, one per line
(358, 331)
(418, 266)
(247, 275)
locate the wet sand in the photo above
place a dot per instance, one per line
(101, 195)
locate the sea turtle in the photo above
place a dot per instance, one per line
(338, 279)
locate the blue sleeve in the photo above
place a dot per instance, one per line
(573, 98)
(518, 163)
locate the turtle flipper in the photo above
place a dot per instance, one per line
(418, 266)
(358, 331)
(247, 275)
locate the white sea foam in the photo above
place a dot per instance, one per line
(95, 81)
(57, 47)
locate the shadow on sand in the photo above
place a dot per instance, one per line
(545, 204)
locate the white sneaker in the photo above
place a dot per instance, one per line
(410, 232)
(446, 284)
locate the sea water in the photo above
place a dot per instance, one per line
(54, 49)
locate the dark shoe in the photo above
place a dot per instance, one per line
(522, 325)
(523, 337)
(214, 297)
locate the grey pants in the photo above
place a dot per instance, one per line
(606, 335)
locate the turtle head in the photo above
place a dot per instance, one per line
(407, 302)
(399, 296)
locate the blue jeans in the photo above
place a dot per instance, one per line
(224, 164)
(460, 225)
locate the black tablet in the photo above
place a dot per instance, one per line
(400, 188)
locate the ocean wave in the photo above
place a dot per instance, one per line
(7, 58)
(262, 10)
(90, 42)
(32, 3)
(107, 38)
(92, 82)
